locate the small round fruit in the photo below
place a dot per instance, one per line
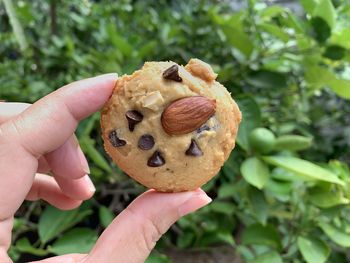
(262, 140)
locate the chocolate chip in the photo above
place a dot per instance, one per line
(115, 140)
(156, 160)
(203, 128)
(134, 117)
(146, 142)
(194, 149)
(172, 73)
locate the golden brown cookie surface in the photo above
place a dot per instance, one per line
(170, 127)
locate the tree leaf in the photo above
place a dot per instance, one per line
(292, 143)
(185, 240)
(53, 221)
(238, 39)
(268, 257)
(251, 119)
(326, 195)
(24, 246)
(119, 41)
(325, 10)
(255, 172)
(313, 249)
(275, 31)
(309, 5)
(338, 236)
(77, 240)
(334, 52)
(279, 189)
(105, 215)
(341, 87)
(261, 235)
(321, 29)
(341, 37)
(87, 145)
(304, 168)
(157, 258)
(267, 79)
(215, 238)
(259, 205)
(222, 207)
(271, 11)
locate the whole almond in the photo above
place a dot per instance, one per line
(186, 115)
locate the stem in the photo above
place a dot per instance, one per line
(16, 26)
(53, 15)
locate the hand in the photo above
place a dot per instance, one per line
(41, 139)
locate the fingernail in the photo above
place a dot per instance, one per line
(109, 75)
(196, 201)
(83, 162)
(89, 183)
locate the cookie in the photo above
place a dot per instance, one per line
(170, 127)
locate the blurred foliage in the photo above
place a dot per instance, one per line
(285, 199)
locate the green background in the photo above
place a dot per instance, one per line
(282, 199)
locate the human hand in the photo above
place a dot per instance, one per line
(38, 138)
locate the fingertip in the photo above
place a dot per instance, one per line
(69, 204)
(78, 189)
(198, 200)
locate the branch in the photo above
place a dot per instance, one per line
(53, 15)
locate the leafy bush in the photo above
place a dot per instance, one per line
(280, 200)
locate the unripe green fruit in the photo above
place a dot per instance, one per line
(262, 140)
(293, 142)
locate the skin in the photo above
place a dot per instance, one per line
(39, 138)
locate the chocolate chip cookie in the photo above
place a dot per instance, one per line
(170, 127)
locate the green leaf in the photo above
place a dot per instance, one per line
(87, 145)
(119, 41)
(23, 245)
(105, 215)
(259, 205)
(255, 172)
(251, 119)
(215, 238)
(309, 5)
(325, 10)
(313, 249)
(337, 235)
(271, 11)
(261, 235)
(292, 142)
(146, 49)
(278, 189)
(226, 208)
(267, 79)
(53, 221)
(268, 257)
(327, 195)
(157, 258)
(318, 76)
(185, 240)
(334, 52)
(321, 30)
(238, 39)
(227, 190)
(341, 87)
(304, 168)
(77, 240)
(275, 31)
(341, 37)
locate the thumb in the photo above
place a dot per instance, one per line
(134, 233)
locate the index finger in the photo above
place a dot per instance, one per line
(42, 128)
